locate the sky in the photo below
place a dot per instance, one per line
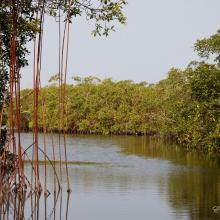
(159, 35)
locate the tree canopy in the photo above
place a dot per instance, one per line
(209, 46)
(184, 107)
(21, 21)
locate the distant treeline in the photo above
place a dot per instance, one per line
(184, 107)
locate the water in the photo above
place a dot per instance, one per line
(128, 178)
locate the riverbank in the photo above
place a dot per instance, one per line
(168, 109)
(183, 107)
(118, 172)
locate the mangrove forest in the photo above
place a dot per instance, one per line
(103, 148)
(184, 107)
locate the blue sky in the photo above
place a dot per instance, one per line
(159, 35)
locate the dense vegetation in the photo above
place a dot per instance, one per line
(21, 21)
(184, 107)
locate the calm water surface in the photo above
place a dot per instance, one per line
(130, 178)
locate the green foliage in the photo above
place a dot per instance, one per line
(103, 13)
(184, 107)
(95, 106)
(192, 108)
(19, 19)
(209, 46)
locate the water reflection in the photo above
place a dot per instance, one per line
(157, 148)
(33, 206)
(196, 192)
(193, 188)
(131, 178)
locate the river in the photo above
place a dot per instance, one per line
(128, 178)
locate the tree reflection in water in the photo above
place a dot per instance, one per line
(32, 205)
(193, 185)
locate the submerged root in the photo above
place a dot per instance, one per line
(7, 166)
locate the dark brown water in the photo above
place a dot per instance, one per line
(129, 178)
